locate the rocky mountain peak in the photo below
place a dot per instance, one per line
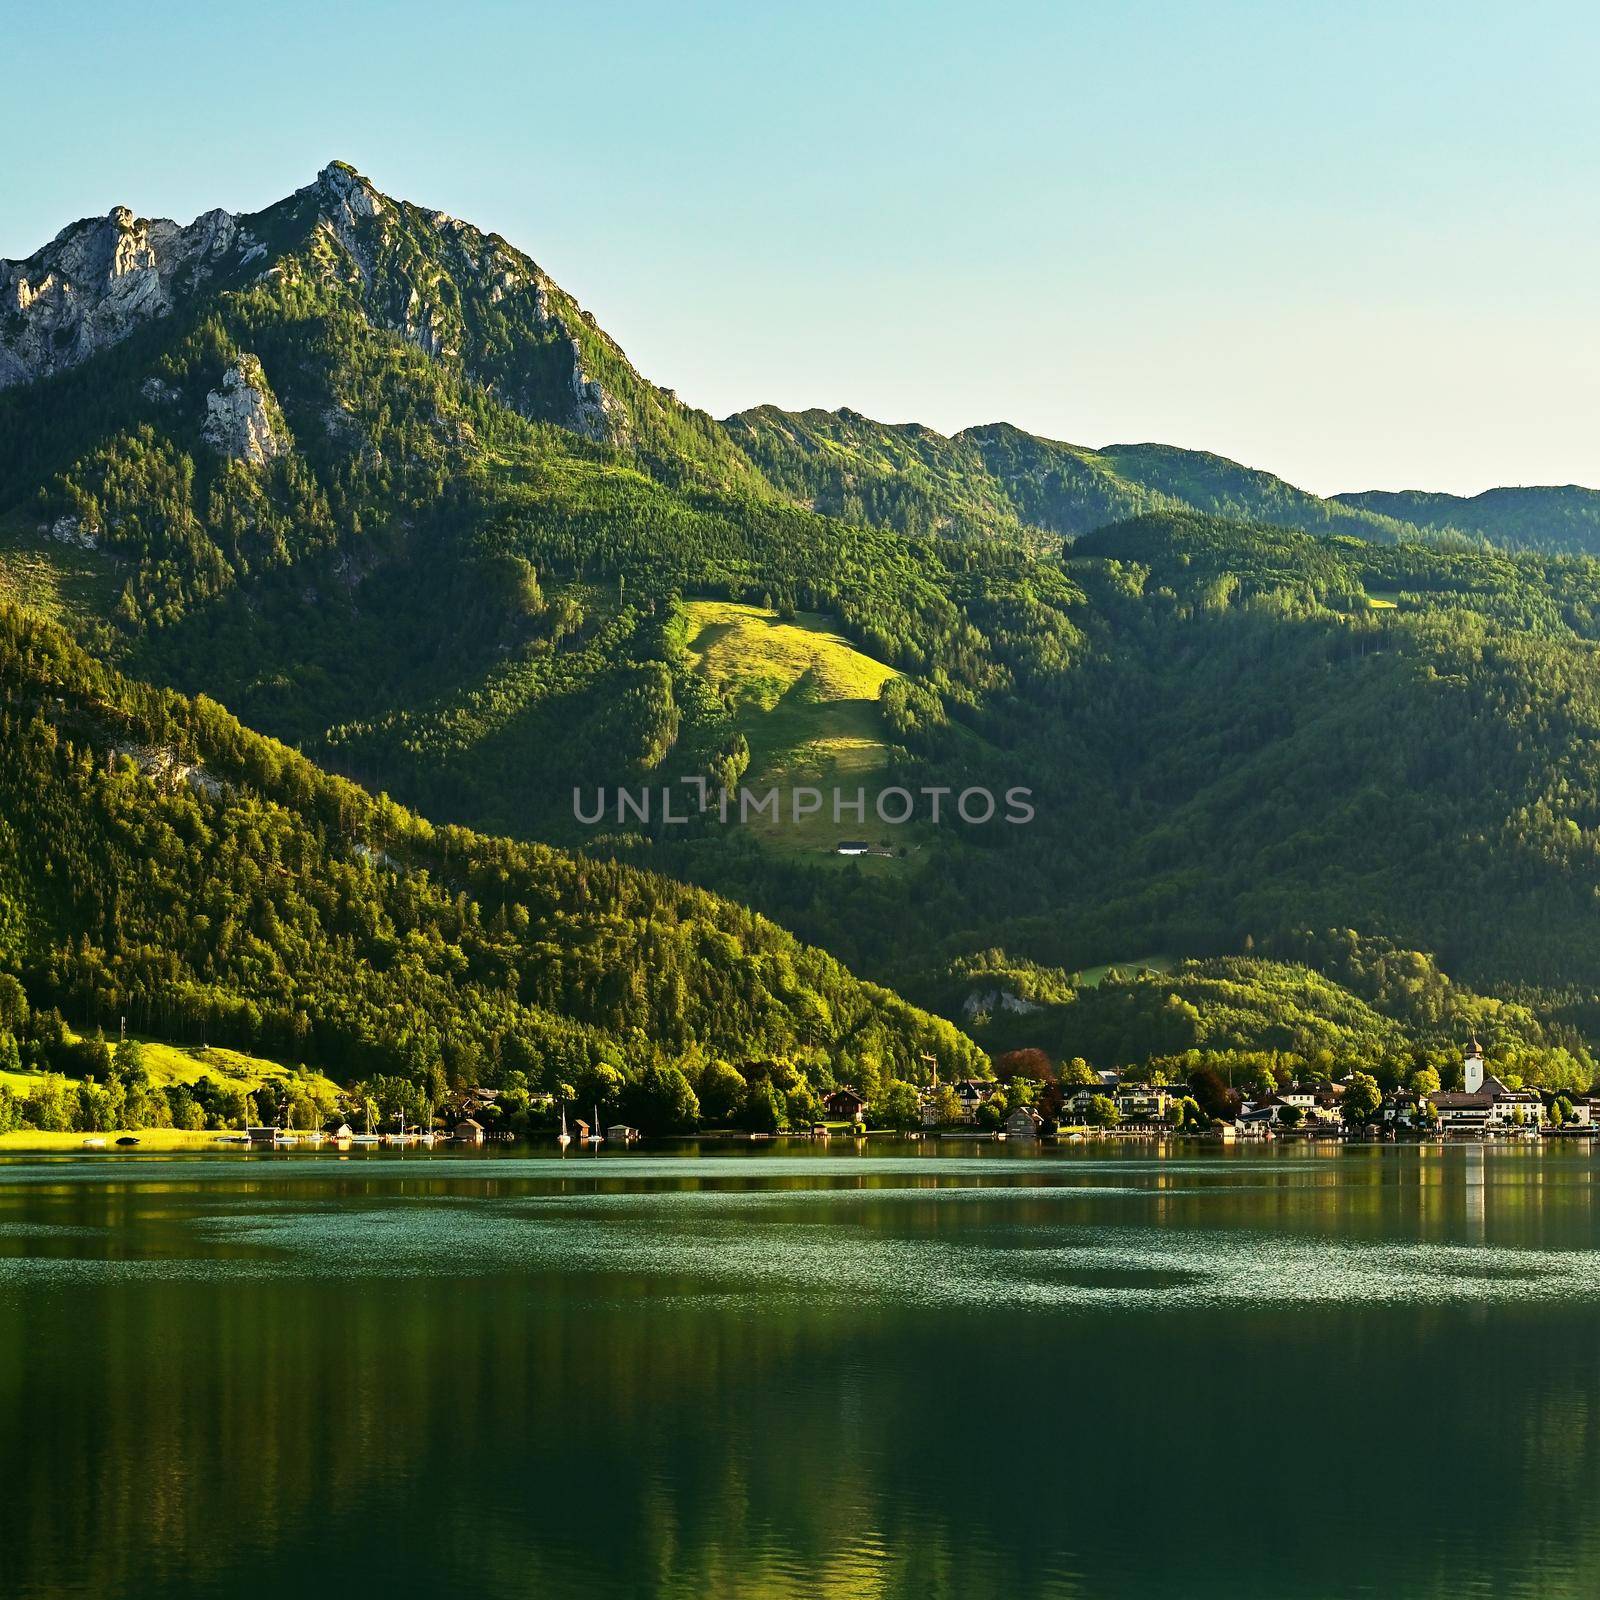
(99, 279)
(343, 194)
(435, 280)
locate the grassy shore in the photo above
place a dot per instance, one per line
(149, 1139)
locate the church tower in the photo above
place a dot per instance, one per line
(1473, 1072)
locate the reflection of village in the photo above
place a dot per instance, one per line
(1119, 1106)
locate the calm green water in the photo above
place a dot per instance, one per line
(782, 1372)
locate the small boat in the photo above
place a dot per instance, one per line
(563, 1139)
(428, 1135)
(596, 1138)
(369, 1137)
(94, 1144)
(127, 1140)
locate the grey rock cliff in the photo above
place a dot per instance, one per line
(242, 422)
(98, 280)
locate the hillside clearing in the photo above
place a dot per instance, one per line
(1093, 977)
(806, 701)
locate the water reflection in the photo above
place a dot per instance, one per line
(779, 1376)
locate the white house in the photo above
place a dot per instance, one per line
(1312, 1103)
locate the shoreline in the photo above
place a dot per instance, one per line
(185, 1141)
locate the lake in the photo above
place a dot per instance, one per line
(787, 1370)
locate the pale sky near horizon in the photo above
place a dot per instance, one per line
(1356, 245)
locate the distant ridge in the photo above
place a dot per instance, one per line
(1563, 517)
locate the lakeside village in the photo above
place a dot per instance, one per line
(1025, 1102)
(1110, 1104)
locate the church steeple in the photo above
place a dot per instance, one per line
(1472, 1071)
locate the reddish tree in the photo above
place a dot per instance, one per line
(1030, 1063)
(1212, 1095)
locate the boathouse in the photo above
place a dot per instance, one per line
(1023, 1123)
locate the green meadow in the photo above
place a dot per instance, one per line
(806, 701)
(60, 581)
(1093, 977)
(168, 1064)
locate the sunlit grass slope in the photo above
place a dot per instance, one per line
(806, 700)
(62, 582)
(174, 1063)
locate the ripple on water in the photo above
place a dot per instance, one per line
(716, 1244)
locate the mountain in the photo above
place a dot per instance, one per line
(998, 481)
(1335, 1001)
(367, 475)
(1559, 519)
(901, 476)
(368, 478)
(101, 278)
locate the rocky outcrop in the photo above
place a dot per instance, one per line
(167, 769)
(595, 414)
(427, 327)
(243, 422)
(344, 196)
(98, 280)
(989, 1002)
(71, 530)
(345, 201)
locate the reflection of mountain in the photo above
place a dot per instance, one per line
(478, 1418)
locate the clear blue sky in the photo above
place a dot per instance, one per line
(1356, 244)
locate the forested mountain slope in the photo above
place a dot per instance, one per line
(1261, 732)
(163, 863)
(1322, 1005)
(998, 481)
(367, 476)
